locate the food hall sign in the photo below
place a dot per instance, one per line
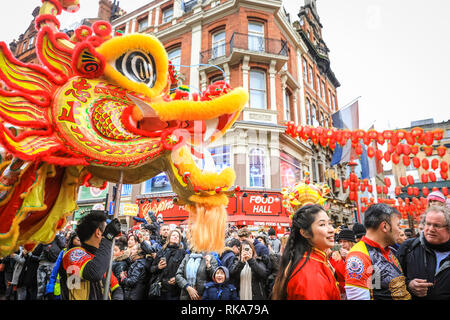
(257, 204)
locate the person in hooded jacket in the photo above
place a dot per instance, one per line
(165, 266)
(220, 288)
(194, 272)
(135, 283)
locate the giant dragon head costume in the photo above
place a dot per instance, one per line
(98, 108)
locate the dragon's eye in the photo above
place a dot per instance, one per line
(137, 66)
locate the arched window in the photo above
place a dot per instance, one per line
(313, 115)
(175, 56)
(256, 162)
(258, 98)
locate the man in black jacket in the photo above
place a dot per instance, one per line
(426, 260)
(85, 267)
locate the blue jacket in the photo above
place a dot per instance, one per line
(220, 291)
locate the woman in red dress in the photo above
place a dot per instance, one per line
(305, 272)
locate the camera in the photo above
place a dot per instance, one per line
(247, 248)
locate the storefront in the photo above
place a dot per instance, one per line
(247, 209)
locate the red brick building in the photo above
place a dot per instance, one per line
(284, 66)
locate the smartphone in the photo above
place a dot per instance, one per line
(163, 259)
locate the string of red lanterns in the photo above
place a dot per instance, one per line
(396, 151)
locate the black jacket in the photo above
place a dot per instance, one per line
(419, 262)
(135, 284)
(260, 272)
(28, 277)
(174, 256)
(119, 265)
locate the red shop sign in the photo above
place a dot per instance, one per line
(256, 204)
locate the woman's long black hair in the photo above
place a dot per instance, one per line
(295, 249)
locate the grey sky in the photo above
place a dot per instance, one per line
(392, 53)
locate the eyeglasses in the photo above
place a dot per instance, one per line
(436, 226)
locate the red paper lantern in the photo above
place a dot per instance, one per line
(434, 164)
(370, 188)
(385, 190)
(425, 191)
(415, 149)
(387, 156)
(410, 191)
(444, 191)
(337, 183)
(359, 149)
(370, 152)
(425, 164)
(416, 192)
(398, 148)
(345, 184)
(379, 154)
(410, 179)
(403, 181)
(428, 150)
(398, 191)
(441, 150)
(438, 134)
(428, 138)
(387, 181)
(406, 149)
(406, 160)
(432, 176)
(417, 131)
(444, 175)
(379, 190)
(395, 158)
(424, 178)
(409, 138)
(380, 138)
(372, 134)
(444, 166)
(416, 162)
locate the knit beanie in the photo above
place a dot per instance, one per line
(436, 196)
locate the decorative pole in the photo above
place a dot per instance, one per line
(116, 213)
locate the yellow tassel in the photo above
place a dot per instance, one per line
(207, 226)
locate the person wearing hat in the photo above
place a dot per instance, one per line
(275, 243)
(436, 198)
(346, 240)
(359, 230)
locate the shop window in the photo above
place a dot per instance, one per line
(258, 98)
(290, 170)
(159, 183)
(257, 167)
(218, 44)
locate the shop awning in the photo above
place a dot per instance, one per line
(273, 221)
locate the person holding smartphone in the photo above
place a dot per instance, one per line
(250, 273)
(165, 266)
